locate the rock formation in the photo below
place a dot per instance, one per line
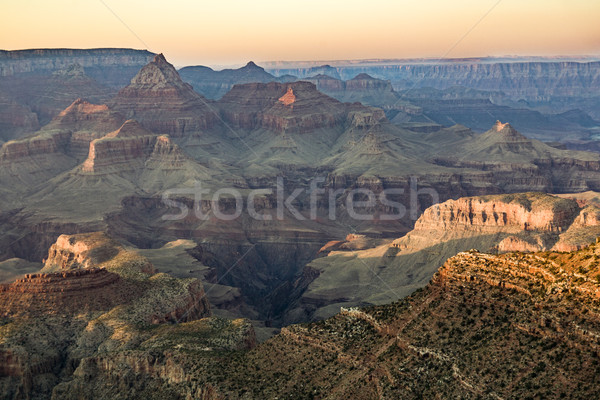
(113, 67)
(499, 223)
(163, 103)
(485, 326)
(93, 297)
(214, 84)
(269, 106)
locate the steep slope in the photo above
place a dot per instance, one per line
(488, 327)
(57, 147)
(162, 102)
(15, 119)
(294, 107)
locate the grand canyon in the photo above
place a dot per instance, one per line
(381, 228)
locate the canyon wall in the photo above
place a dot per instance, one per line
(112, 67)
(535, 80)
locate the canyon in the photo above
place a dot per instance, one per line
(98, 167)
(146, 246)
(485, 326)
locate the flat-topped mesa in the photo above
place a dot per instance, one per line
(122, 150)
(73, 279)
(162, 102)
(518, 212)
(283, 107)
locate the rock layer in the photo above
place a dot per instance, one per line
(162, 102)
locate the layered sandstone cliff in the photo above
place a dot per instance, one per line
(498, 223)
(163, 103)
(111, 66)
(294, 107)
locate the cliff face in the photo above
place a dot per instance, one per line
(533, 80)
(511, 212)
(499, 223)
(122, 150)
(113, 67)
(162, 102)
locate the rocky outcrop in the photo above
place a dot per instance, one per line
(66, 292)
(40, 146)
(294, 107)
(122, 150)
(518, 212)
(75, 252)
(526, 222)
(72, 280)
(513, 243)
(163, 103)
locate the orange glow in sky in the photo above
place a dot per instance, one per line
(235, 31)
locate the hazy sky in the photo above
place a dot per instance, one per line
(234, 31)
